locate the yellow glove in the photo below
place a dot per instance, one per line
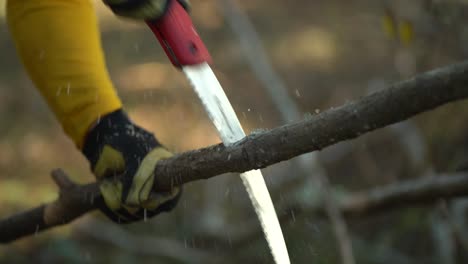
(123, 157)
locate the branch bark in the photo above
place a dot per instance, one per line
(394, 104)
(258, 150)
(73, 201)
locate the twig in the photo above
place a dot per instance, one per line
(258, 61)
(73, 201)
(143, 244)
(339, 224)
(442, 235)
(458, 217)
(259, 150)
(420, 192)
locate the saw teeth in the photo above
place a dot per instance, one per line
(224, 118)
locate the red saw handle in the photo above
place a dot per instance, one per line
(178, 37)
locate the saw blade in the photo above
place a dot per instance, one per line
(224, 118)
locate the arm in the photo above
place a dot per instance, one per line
(58, 43)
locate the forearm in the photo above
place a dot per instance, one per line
(58, 43)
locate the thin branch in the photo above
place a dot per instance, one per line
(397, 103)
(442, 236)
(426, 190)
(458, 217)
(339, 223)
(412, 193)
(73, 201)
(146, 245)
(258, 61)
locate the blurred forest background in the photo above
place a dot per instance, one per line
(325, 53)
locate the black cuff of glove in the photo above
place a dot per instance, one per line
(117, 131)
(107, 131)
(130, 5)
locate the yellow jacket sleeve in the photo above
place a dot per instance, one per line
(59, 44)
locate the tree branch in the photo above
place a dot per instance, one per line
(147, 245)
(394, 104)
(412, 193)
(73, 201)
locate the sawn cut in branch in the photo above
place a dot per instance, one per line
(391, 105)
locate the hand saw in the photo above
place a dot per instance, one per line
(186, 51)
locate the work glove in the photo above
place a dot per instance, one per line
(142, 9)
(123, 157)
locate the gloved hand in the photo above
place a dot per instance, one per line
(123, 157)
(142, 9)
